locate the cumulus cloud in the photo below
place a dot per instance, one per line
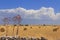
(37, 14)
(42, 14)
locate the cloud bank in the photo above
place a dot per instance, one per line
(44, 15)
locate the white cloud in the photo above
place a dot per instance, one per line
(41, 14)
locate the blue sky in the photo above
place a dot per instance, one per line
(32, 11)
(30, 4)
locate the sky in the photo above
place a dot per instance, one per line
(32, 11)
(30, 4)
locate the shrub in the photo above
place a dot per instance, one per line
(25, 28)
(26, 25)
(44, 25)
(15, 25)
(42, 38)
(30, 27)
(21, 25)
(55, 29)
(2, 29)
(39, 27)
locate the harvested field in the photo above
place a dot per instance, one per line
(49, 32)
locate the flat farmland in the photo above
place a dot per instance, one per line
(50, 32)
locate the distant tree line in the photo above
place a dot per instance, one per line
(16, 19)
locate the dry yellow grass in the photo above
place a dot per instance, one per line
(32, 31)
